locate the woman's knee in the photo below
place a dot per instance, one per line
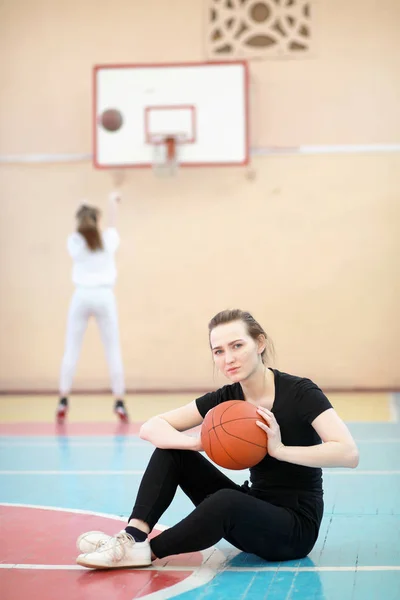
(185, 461)
(166, 452)
(170, 455)
(226, 501)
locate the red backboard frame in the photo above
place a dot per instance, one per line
(244, 63)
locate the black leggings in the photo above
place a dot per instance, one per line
(223, 510)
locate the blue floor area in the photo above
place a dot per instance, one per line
(300, 586)
(360, 529)
(132, 454)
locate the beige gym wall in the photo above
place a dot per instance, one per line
(309, 244)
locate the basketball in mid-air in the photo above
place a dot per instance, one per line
(111, 119)
(230, 436)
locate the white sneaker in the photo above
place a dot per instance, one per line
(90, 541)
(118, 552)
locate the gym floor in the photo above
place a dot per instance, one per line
(57, 482)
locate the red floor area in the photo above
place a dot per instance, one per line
(77, 585)
(89, 428)
(42, 538)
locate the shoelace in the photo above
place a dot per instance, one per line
(99, 544)
(116, 545)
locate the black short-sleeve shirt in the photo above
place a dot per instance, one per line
(298, 401)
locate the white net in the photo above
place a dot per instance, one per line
(165, 155)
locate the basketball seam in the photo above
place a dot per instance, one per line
(231, 421)
(237, 437)
(210, 445)
(223, 448)
(232, 404)
(213, 428)
(237, 419)
(228, 407)
(209, 437)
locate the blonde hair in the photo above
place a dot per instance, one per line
(87, 217)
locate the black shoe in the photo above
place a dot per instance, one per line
(120, 411)
(62, 409)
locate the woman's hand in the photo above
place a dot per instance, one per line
(115, 197)
(272, 429)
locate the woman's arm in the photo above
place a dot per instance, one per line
(164, 431)
(113, 199)
(338, 450)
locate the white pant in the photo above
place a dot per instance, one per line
(100, 303)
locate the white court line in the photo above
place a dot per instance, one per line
(71, 510)
(225, 568)
(79, 568)
(360, 472)
(69, 442)
(378, 441)
(214, 562)
(350, 472)
(314, 569)
(139, 444)
(213, 559)
(71, 472)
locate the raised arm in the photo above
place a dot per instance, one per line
(165, 430)
(113, 200)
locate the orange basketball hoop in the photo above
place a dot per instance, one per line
(170, 143)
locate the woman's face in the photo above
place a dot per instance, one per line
(235, 352)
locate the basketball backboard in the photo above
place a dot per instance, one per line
(204, 106)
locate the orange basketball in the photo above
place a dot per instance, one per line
(230, 436)
(111, 119)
